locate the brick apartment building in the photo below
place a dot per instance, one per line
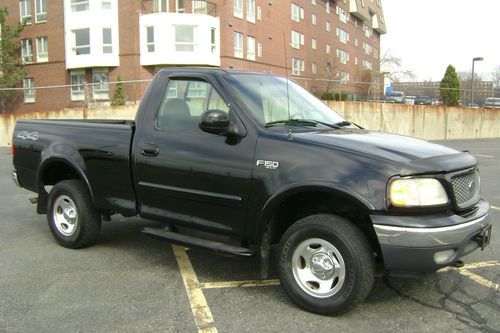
(74, 42)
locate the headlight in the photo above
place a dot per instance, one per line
(417, 192)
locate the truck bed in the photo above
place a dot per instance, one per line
(100, 149)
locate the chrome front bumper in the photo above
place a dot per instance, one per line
(15, 179)
(429, 237)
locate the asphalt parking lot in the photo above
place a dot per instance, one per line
(130, 282)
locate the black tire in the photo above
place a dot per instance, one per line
(84, 227)
(313, 236)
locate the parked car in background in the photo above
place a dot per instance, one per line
(423, 100)
(395, 97)
(409, 100)
(492, 103)
(473, 106)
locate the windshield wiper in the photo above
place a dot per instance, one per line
(300, 122)
(346, 123)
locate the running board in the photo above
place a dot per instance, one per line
(191, 241)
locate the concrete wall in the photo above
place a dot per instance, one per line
(426, 122)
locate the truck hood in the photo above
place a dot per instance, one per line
(413, 156)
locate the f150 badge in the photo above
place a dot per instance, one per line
(25, 135)
(273, 165)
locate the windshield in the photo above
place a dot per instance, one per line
(266, 98)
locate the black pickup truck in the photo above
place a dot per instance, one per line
(257, 162)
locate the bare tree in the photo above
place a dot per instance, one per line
(495, 76)
(392, 67)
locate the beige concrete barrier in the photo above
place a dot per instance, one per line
(426, 122)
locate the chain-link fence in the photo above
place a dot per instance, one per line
(80, 94)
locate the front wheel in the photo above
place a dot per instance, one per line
(325, 264)
(73, 220)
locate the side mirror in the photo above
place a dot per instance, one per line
(214, 121)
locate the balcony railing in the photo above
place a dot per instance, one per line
(190, 7)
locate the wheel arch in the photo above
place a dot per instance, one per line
(54, 169)
(286, 207)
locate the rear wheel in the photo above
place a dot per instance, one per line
(326, 264)
(72, 218)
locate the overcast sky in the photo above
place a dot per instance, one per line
(428, 35)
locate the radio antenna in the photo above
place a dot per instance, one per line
(290, 136)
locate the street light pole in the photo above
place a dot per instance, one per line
(472, 80)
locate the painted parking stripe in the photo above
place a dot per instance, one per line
(487, 156)
(495, 208)
(481, 264)
(479, 279)
(199, 306)
(240, 284)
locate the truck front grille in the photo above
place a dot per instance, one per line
(466, 189)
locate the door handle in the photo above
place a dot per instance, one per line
(150, 150)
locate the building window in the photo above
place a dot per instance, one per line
(328, 49)
(42, 49)
(250, 48)
(238, 45)
(314, 19)
(25, 10)
(368, 48)
(79, 5)
(343, 35)
(259, 13)
(327, 6)
(81, 41)
(150, 39)
(259, 50)
(27, 51)
(343, 15)
(328, 26)
(314, 43)
(343, 56)
(296, 64)
(295, 13)
(295, 39)
(184, 38)
(313, 2)
(251, 11)
(367, 30)
(199, 7)
(355, 42)
(40, 11)
(355, 60)
(107, 41)
(29, 90)
(106, 4)
(238, 8)
(179, 6)
(100, 83)
(213, 41)
(160, 6)
(367, 65)
(314, 68)
(344, 77)
(77, 80)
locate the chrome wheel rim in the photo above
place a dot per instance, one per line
(65, 215)
(318, 267)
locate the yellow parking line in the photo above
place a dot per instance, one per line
(494, 207)
(240, 284)
(481, 264)
(479, 279)
(201, 312)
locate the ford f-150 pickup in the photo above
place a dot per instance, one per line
(256, 165)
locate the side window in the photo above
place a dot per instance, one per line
(183, 103)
